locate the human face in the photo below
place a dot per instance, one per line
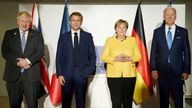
(169, 16)
(24, 23)
(121, 30)
(75, 22)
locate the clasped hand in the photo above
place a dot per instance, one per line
(122, 58)
(22, 62)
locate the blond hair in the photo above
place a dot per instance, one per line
(120, 21)
(24, 13)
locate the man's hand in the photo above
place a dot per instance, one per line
(61, 80)
(185, 76)
(155, 75)
(23, 63)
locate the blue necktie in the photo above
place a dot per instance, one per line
(169, 38)
(169, 41)
(23, 43)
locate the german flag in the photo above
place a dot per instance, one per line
(143, 87)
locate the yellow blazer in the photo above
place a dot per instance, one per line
(114, 47)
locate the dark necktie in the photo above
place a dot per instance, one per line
(75, 49)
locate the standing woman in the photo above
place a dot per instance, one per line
(121, 53)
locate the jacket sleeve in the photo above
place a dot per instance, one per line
(137, 53)
(36, 56)
(6, 53)
(154, 52)
(187, 54)
(58, 57)
(105, 56)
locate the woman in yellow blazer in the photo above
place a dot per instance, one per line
(121, 53)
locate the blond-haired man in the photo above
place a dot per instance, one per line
(22, 49)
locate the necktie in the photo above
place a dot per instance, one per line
(23, 42)
(169, 41)
(75, 48)
(169, 38)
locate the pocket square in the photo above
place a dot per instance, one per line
(178, 37)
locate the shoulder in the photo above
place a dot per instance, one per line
(35, 33)
(180, 28)
(111, 38)
(11, 32)
(159, 29)
(131, 38)
(14, 30)
(85, 33)
(65, 35)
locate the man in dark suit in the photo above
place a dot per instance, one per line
(75, 60)
(170, 59)
(22, 49)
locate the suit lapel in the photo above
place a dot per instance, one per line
(17, 40)
(164, 38)
(70, 40)
(29, 40)
(81, 40)
(175, 36)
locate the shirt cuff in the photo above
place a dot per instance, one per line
(28, 61)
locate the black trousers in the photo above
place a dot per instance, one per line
(121, 90)
(21, 87)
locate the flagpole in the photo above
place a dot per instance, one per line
(66, 1)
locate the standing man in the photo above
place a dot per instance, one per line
(75, 60)
(170, 59)
(22, 49)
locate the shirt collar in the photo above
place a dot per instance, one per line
(172, 27)
(20, 31)
(78, 32)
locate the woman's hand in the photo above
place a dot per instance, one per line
(122, 58)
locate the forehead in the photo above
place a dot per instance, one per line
(23, 17)
(75, 16)
(169, 10)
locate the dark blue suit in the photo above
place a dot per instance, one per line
(75, 75)
(170, 74)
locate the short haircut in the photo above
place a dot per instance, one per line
(120, 21)
(77, 14)
(24, 13)
(169, 8)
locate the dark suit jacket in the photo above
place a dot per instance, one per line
(86, 55)
(11, 50)
(179, 53)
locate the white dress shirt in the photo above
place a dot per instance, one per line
(173, 27)
(73, 35)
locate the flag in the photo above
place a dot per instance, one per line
(43, 66)
(143, 87)
(55, 91)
